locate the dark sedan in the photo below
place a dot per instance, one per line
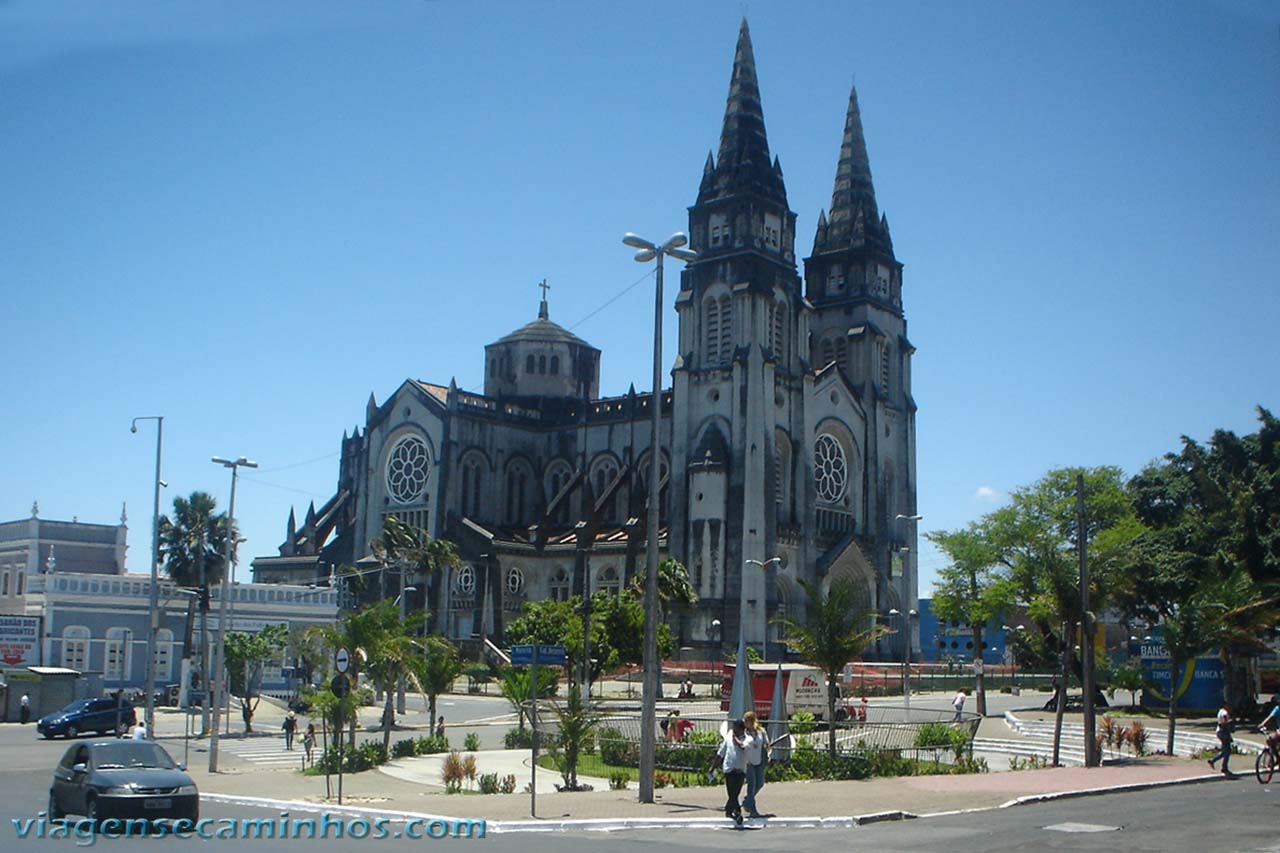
(88, 715)
(123, 779)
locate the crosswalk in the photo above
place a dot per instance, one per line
(266, 752)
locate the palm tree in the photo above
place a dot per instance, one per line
(414, 550)
(438, 666)
(836, 632)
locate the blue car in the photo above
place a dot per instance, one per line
(88, 715)
(122, 779)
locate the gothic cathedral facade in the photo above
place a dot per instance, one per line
(788, 430)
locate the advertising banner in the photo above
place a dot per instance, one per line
(20, 640)
(1199, 681)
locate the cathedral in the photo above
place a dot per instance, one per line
(788, 430)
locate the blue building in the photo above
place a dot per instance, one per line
(943, 641)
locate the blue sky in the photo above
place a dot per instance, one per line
(247, 216)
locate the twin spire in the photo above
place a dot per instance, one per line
(744, 163)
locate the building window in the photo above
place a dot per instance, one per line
(558, 475)
(472, 486)
(517, 491)
(164, 654)
(830, 469)
(561, 586)
(408, 466)
(118, 657)
(835, 278)
(884, 368)
(605, 473)
(75, 647)
(555, 365)
(542, 364)
(466, 580)
(20, 587)
(609, 582)
(718, 315)
(529, 364)
(777, 327)
(4, 583)
(515, 581)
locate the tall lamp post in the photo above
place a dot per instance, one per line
(153, 611)
(649, 251)
(907, 603)
(906, 653)
(217, 689)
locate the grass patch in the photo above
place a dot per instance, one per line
(592, 765)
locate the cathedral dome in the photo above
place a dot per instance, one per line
(542, 359)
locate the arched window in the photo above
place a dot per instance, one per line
(75, 647)
(472, 486)
(118, 659)
(408, 468)
(781, 473)
(561, 585)
(542, 364)
(529, 364)
(557, 475)
(515, 581)
(777, 328)
(518, 480)
(830, 468)
(884, 368)
(643, 471)
(608, 581)
(603, 473)
(555, 365)
(164, 654)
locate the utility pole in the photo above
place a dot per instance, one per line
(1086, 629)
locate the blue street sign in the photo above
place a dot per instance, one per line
(522, 655)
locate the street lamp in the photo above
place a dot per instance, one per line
(906, 654)
(1013, 651)
(217, 690)
(649, 251)
(742, 598)
(906, 571)
(153, 613)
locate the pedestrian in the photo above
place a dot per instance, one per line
(139, 731)
(958, 704)
(440, 726)
(757, 755)
(309, 740)
(290, 725)
(1224, 738)
(26, 708)
(730, 757)
(862, 710)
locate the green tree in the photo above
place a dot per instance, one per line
(972, 589)
(422, 558)
(835, 633)
(516, 684)
(193, 543)
(578, 721)
(245, 655)
(438, 667)
(1127, 677)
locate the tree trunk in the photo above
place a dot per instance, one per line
(831, 715)
(1173, 704)
(431, 715)
(1062, 694)
(979, 670)
(388, 716)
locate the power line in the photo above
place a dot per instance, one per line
(299, 464)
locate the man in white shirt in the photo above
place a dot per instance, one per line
(139, 731)
(958, 704)
(26, 708)
(732, 760)
(1224, 738)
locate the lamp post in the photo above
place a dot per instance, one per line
(153, 613)
(649, 251)
(906, 654)
(1013, 652)
(217, 690)
(742, 597)
(906, 574)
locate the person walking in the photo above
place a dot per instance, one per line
(755, 746)
(1224, 737)
(731, 758)
(958, 704)
(309, 741)
(290, 725)
(440, 726)
(25, 711)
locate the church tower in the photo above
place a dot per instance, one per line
(854, 282)
(740, 378)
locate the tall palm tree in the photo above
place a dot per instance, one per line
(835, 633)
(414, 550)
(438, 666)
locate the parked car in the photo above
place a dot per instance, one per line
(122, 779)
(88, 715)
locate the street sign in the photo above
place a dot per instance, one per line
(522, 655)
(340, 686)
(342, 660)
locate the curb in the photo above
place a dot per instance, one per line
(1032, 799)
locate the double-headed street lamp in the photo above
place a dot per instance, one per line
(217, 689)
(649, 251)
(906, 653)
(153, 612)
(763, 566)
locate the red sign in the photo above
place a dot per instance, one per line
(20, 640)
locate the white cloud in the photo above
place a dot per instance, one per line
(986, 493)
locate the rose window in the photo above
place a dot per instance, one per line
(830, 470)
(515, 581)
(407, 468)
(466, 580)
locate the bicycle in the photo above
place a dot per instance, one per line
(1265, 765)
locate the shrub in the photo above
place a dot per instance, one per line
(471, 742)
(618, 780)
(364, 695)
(469, 769)
(489, 783)
(617, 750)
(430, 745)
(942, 736)
(662, 779)
(1138, 737)
(1107, 728)
(518, 739)
(803, 723)
(452, 773)
(507, 785)
(1031, 762)
(403, 748)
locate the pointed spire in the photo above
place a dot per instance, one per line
(293, 526)
(35, 509)
(51, 563)
(854, 196)
(710, 165)
(370, 408)
(124, 512)
(743, 158)
(543, 314)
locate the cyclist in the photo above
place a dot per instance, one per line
(1272, 722)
